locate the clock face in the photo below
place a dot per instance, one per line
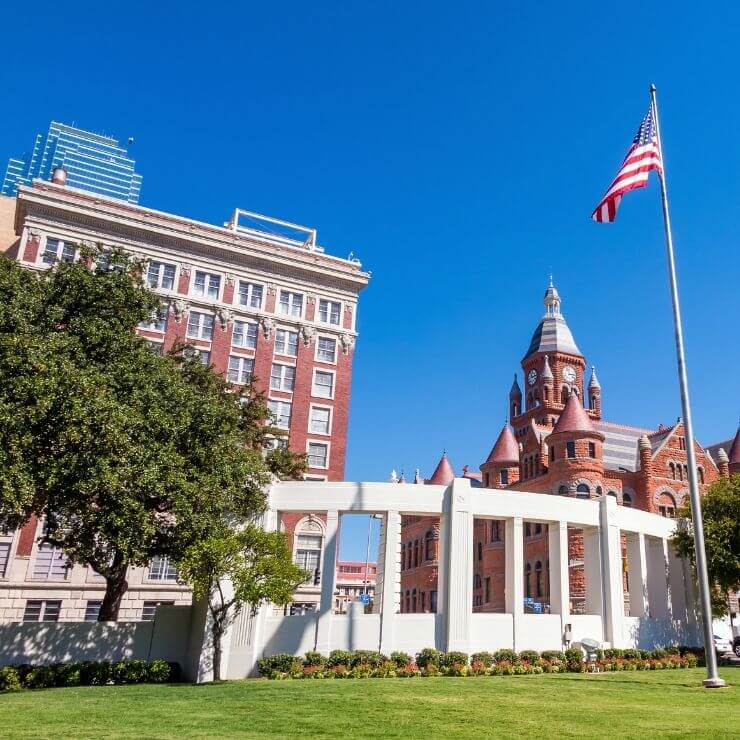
(569, 374)
(532, 377)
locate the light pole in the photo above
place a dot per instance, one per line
(367, 550)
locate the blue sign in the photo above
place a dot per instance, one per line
(365, 598)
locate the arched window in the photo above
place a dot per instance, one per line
(308, 546)
(429, 545)
(495, 531)
(552, 453)
(564, 393)
(409, 555)
(667, 505)
(672, 468)
(528, 580)
(403, 556)
(505, 477)
(413, 601)
(536, 470)
(627, 500)
(563, 490)
(680, 471)
(408, 601)
(538, 578)
(686, 472)
(476, 581)
(570, 448)
(416, 553)
(583, 491)
(599, 490)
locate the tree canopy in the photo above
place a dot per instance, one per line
(720, 509)
(127, 454)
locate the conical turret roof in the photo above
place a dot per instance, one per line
(735, 449)
(547, 370)
(443, 474)
(574, 417)
(506, 449)
(594, 382)
(516, 391)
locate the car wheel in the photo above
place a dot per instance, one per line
(737, 649)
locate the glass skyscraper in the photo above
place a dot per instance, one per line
(93, 162)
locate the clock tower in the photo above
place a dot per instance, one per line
(553, 368)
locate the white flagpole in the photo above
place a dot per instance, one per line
(712, 680)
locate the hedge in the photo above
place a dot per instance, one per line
(431, 662)
(87, 673)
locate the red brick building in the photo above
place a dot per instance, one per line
(556, 444)
(253, 302)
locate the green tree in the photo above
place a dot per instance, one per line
(129, 455)
(720, 510)
(232, 568)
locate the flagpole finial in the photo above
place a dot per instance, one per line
(652, 87)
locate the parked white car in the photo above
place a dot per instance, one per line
(721, 645)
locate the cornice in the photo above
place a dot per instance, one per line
(137, 228)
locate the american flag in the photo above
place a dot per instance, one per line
(643, 156)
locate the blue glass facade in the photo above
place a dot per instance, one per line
(93, 162)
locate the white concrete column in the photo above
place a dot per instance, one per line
(637, 574)
(613, 590)
(328, 578)
(458, 572)
(391, 583)
(657, 580)
(592, 570)
(559, 581)
(514, 575)
(677, 586)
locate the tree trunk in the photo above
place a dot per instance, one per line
(216, 633)
(116, 586)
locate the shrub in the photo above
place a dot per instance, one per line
(456, 669)
(312, 671)
(337, 671)
(611, 653)
(40, 677)
(530, 656)
(428, 656)
(400, 659)
(95, 672)
(506, 655)
(386, 670)
(631, 654)
(553, 656)
(340, 657)
(431, 671)
(314, 659)
(574, 659)
(158, 671)
(479, 668)
(453, 658)
(409, 671)
(658, 653)
(280, 662)
(10, 679)
(485, 658)
(373, 658)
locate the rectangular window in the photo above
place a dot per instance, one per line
(276, 443)
(161, 275)
(245, 335)
(157, 321)
(57, 250)
(207, 285)
(505, 477)
(250, 294)
(487, 583)
(50, 564)
(323, 384)
(286, 342)
(552, 453)
(42, 611)
(291, 304)
(161, 569)
(240, 369)
(318, 454)
(308, 553)
(150, 609)
(326, 349)
(92, 610)
(329, 312)
(592, 449)
(282, 377)
(281, 410)
(4, 557)
(200, 325)
(570, 448)
(320, 420)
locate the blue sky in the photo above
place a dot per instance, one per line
(458, 151)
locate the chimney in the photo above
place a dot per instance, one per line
(59, 176)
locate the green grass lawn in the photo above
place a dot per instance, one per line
(615, 704)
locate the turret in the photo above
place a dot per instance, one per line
(443, 474)
(723, 463)
(515, 399)
(734, 456)
(501, 468)
(575, 445)
(594, 393)
(548, 382)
